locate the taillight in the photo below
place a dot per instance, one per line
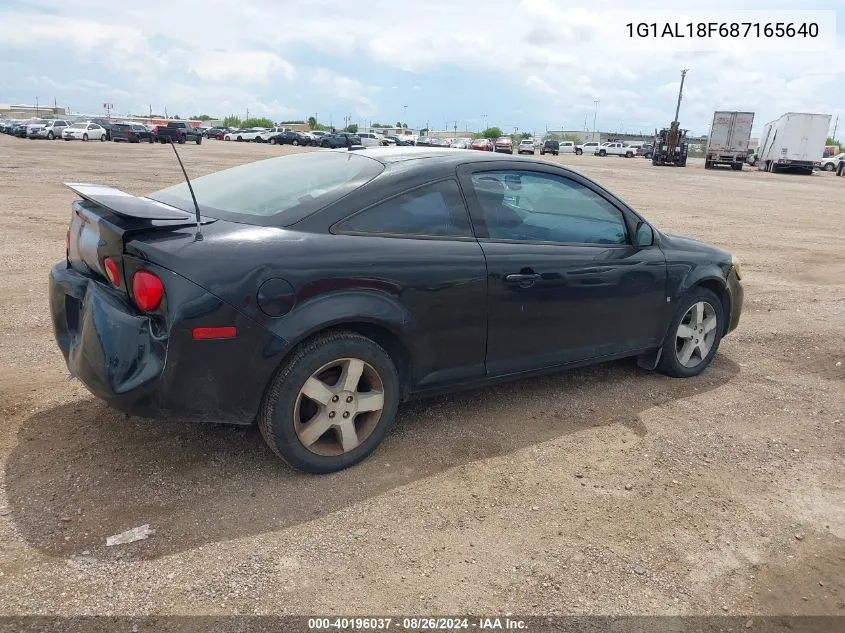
(129, 134)
(112, 271)
(147, 290)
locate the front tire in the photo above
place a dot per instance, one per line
(694, 335)
(84, 137)
(578, 152)
(51, 136)
(829, 167)
(331, 404)
(199, 140)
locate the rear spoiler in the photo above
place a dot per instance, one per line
(127, 205)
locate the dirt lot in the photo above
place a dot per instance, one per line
(610, 490)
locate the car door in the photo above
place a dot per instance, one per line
(416, 244)
(565, 281)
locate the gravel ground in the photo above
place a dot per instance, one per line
(608, 490)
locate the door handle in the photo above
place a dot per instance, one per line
(522, 277)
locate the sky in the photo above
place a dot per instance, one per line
(517, 64)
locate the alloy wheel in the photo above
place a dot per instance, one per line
(696, 334)
(338, 407)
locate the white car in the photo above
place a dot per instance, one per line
(587, 148)
(252, 133)
(49, 129)
(84, 132)
(566, 147)
(526, 146)
(461, 143)
(265, 134)
(831, 162)
(371, 139)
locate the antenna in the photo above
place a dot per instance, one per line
(198, 236)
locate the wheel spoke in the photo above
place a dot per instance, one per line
(709, 324)
(698, 314)
(686, 351)
(317, 390)
(684, 331)
(351, 376)
(704, 347)
(348, 434)
(370, 401)
(315, 429)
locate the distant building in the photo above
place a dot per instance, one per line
(22, 111)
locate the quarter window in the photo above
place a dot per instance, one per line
(432, 210)
(541, 207)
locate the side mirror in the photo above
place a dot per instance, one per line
(644, 236)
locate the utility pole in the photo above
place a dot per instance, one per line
(36, 106)
(456, 129)
(405, 115)
(247, 115)
(484, 116)
(595, 114)
(835, 125)
(680, 93)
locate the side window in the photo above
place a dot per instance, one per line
(432, 210)
(536, 206)
(92, 127)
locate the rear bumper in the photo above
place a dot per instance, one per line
(135, 365)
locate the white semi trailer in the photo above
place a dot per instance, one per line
(729, 137)
(794, 142)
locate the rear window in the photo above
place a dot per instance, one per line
(120, 126)
(277, 191)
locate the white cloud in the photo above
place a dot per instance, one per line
(538, 84)
(250, 66)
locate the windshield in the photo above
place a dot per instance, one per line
(37, 122)
(277, 191)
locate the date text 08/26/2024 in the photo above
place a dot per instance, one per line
(723, 29)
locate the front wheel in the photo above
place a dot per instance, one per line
(295, 142)
(272, 141)
(602, 153)
(578, 152)
(629, 154)
(331, 404)
(829, 167)
(199, 140)
(50, 136)
(102, 138)
(84, 137)
(694, 335)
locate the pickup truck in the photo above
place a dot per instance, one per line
(178, 132)
(615, 149)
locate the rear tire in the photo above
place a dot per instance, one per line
(687, 331)
(199, 140)
(285, 404)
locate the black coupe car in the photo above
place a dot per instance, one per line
(314, 292)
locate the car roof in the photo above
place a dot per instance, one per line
(397, 154)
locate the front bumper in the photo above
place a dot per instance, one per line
(737, 296)
(130, 361)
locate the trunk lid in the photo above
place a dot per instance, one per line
(102, 221)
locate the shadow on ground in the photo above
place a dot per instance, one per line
(82, 472)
